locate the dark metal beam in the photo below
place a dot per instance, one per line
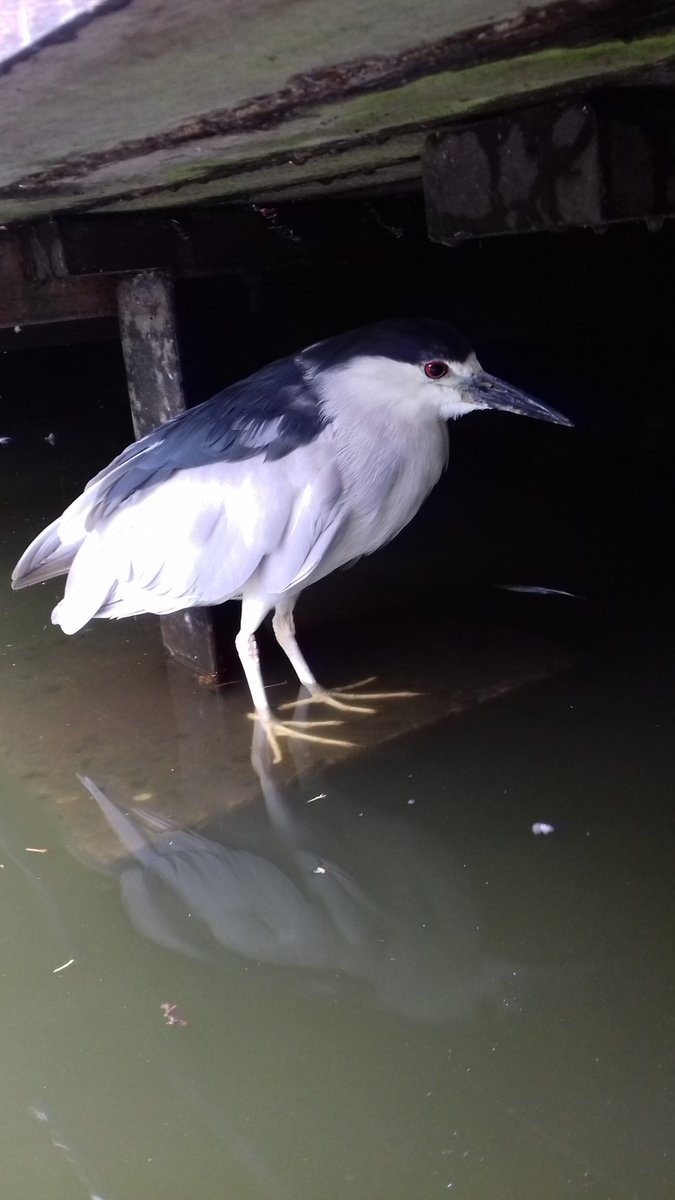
(151, 356)
(588, 162)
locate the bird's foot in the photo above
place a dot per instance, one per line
(342, 697)
(294, 729)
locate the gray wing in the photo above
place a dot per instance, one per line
(209, 533)
(265, 417)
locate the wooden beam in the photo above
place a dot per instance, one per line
(23, 301)
(203, 241)
(151, 356)
(587, 162)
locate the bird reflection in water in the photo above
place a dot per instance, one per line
(401, 919)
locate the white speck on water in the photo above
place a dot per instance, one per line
(542, 827)
(63, 966)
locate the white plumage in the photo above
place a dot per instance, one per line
(272, 484)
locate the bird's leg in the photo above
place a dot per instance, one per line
(283, 625)
(252, 613)
(284, 631)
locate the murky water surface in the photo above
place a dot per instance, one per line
(360, 974)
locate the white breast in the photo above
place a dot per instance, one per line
(390, 449)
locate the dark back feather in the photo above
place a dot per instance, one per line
(269, 414)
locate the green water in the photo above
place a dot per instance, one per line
(482, 1010)
(391, 987)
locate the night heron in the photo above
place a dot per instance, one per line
(302, 467)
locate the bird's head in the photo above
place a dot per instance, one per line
(424, 362)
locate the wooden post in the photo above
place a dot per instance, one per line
(150, 347)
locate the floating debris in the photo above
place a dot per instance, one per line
(173, 1014)
(319, 796)
(63, 966)
(542, 827)
(35, 849)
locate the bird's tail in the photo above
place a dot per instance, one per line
(70, 547)
(46, 557)
(53, 551)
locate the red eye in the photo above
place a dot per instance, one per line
(436, 369)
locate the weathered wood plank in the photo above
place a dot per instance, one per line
(26, 302)
(277, 97)
(588, 162)
(151, 356)
(215, 241)
(150, 348)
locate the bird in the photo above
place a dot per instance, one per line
(304, 466)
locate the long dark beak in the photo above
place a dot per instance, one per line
(486, 391)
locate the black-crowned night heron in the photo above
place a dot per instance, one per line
(306, 465)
